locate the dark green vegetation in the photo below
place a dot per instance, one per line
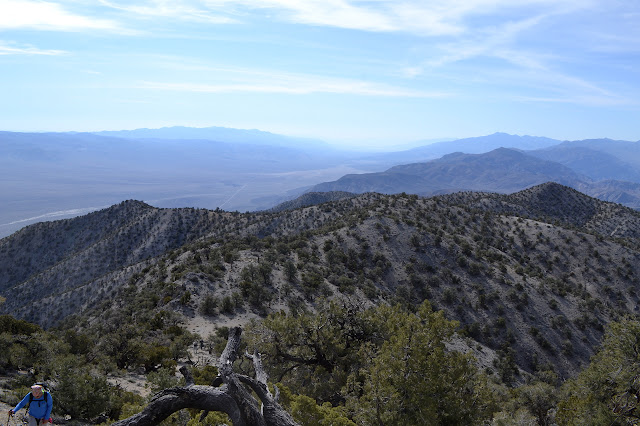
(342, 365)
(382, 365)
(371, 285)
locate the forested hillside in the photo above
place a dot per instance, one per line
(531, 280)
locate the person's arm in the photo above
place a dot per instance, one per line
(49, 400)
(21, 403)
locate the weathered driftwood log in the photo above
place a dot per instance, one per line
(233, 397)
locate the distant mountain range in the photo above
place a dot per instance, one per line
(477, 145)
(220, 134)
(55, 175)
(595, 172)
(501, 170)
(601, 159)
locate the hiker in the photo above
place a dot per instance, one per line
(39, 405)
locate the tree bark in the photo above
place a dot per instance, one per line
(175, 399)
(233, 397)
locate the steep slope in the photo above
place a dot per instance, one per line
(38, 247)
(50, 258)
(533, 277)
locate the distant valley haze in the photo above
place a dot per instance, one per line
(49, 176)
(300, 94)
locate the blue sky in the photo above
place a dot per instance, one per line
(377, 73)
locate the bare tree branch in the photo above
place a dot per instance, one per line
(175, 399)
(233, 397)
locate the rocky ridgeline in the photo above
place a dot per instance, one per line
(532, 277)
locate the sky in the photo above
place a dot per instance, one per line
(355, 72)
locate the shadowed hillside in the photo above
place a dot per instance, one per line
(501, 170)
(533, 277)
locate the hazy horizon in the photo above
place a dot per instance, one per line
(368, 145)
(376, 74)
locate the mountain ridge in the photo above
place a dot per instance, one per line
(541, 271)
(85, 170)
(502, 170)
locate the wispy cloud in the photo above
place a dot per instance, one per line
(523, 69)
(587, 100)
(421, 17)
(170, 9)
(42, 15)
(429, 18)
(554, 86)
(616, 43)
(365, 89)
(11, 49)
(489, 42)
(262, 82)
(333, 13)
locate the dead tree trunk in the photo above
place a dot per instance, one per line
(234, 397)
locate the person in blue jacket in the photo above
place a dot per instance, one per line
(39, 407)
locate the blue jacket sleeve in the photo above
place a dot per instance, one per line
(22, 403)
(49, 406)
